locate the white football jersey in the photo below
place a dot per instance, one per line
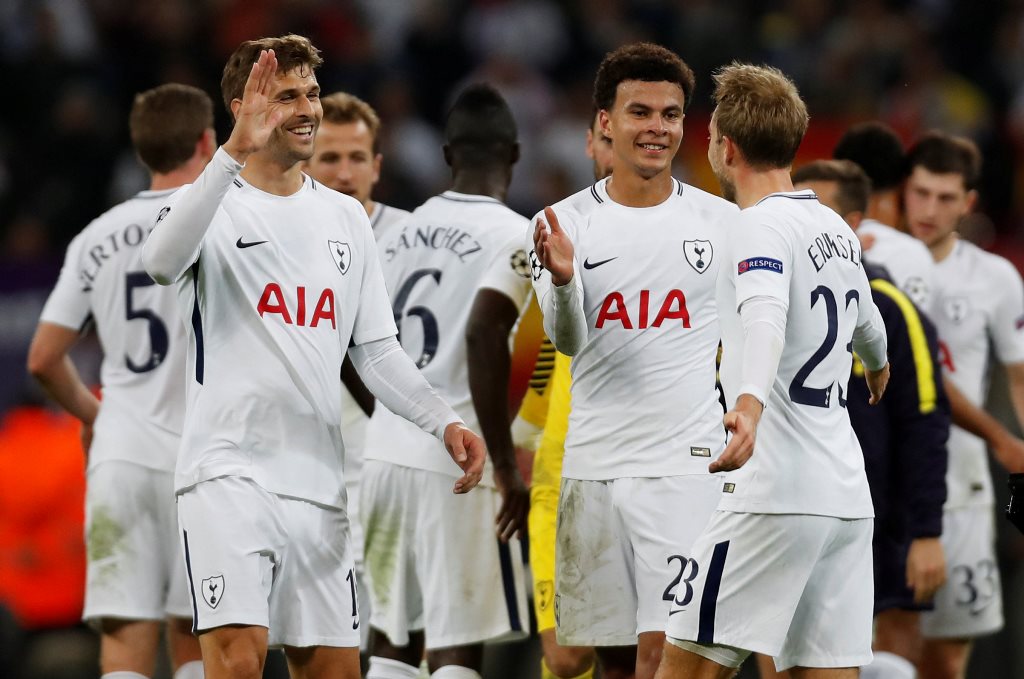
(280, 287)
(143, 339)
(807, 459)
(979, 312)
(434, 264)
(644, 400)
(906, 259)
(353, 420)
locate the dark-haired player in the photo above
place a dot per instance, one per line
(439, 577)
(625, 273)
(278, 277)
(136, 574)
(978, 312)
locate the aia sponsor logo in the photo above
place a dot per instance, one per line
(668, 309)
(298, 309)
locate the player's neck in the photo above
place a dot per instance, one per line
(370, 206)
(482, 183)
(271, 175)
(753, 185)
(628, 188)
(884, 207)
(943, 248)
(179, 176)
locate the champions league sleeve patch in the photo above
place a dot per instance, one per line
(755, 263)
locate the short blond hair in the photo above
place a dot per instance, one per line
(761, 111)
(342, 108)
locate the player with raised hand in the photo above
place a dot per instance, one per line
(978, 312)
(136, 574)
(784, 566)
(278, 276)
(443, 577)
(625, 275)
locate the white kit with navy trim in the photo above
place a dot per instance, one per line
(644, 400)
(434, 263)
(278, 288)
(800, 254)
(138, 325)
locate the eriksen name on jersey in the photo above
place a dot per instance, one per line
(830, 245)
(460, 242)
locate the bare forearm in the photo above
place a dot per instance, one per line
(63, 383)
(489, 369)
(970, 417)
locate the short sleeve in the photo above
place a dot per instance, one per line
(510, 272)
(375, 319)
(70, 302)
(762, 259)
(1006, 323)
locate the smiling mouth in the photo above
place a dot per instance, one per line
(302, 131)
(657, 148)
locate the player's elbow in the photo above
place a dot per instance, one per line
(162, 275)
(41, 362)
(483, 339)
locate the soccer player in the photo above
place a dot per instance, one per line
(878, 150)
(978, 310)
(278, 275)
(136, 573)
(784, 566)
(439, 579)
(625, 275)
(559, 662)
(347, 159)
(904, 444)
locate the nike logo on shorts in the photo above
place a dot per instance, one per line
(588, 265)
(241, 244)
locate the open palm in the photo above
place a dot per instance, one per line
(255, 120)
(553, 248)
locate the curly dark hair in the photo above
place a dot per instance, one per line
(642, 61)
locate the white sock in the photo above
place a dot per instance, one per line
(455, 672)
(123, 675)
(385, 668)
(888, 666)
(190, 670)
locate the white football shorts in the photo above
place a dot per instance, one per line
(434, 562)
(622, 549)
(256, 558)
(970, 604)
(135, 568)
(795, 587)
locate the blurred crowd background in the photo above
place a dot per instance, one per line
(72, 67)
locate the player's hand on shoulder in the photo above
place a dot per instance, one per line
(515, 503)
(742, 423)
(877, 381)
(926, 568)
(468, 451)
(553, 247)
(255, 120)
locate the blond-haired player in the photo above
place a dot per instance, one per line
(784, 566)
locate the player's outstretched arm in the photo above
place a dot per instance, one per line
(175, 242)
(491, 320)
(559, 291)
(394, 379)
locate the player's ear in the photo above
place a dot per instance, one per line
(730, 152)
(235, 105)
(972, 200)
(604, 122)
(207, 144)
(447, 151)
(378, 160)
(514, 153)
(854, 218)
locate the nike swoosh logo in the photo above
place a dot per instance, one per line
(240, 244)
(588, 265)
(678, 610)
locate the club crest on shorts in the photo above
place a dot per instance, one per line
(342, 254)
(698, 254)
(213, 590)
